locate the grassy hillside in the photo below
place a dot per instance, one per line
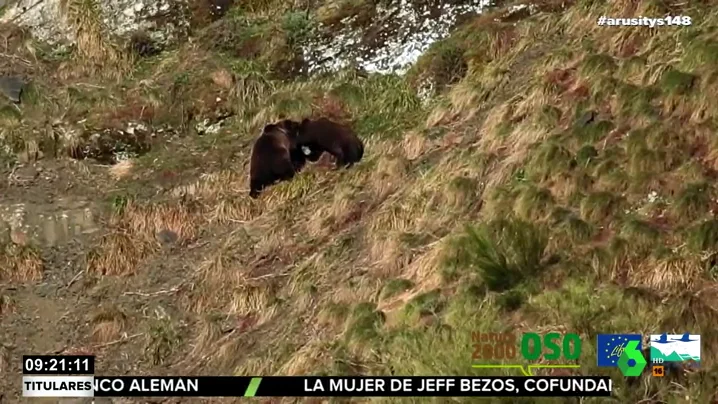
(560, 177)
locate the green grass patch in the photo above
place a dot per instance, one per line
(363, 323)
(396, 286)
(693, 201)
(585, 155)
(598, 65)
(641, 234)
(533, 202)
(549, 158)
(597, 206)
(504, 253)
(593, 132)
(589, 310)
(443, 63)
(704, 236)
(676, 82)
(700, 53)
(572, 227)
(636, 101)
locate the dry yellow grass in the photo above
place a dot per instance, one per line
(107, 325)
(667, 276)
(20, 264)
(121, 170)
(144, 222)
(92, 39)
(118, 254)
(310, 356)
(135, 235)
(414, 145)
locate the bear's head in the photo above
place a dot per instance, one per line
(290, 127)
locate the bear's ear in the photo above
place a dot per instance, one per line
(269, 128)
(305, 121)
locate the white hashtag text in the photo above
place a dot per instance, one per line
(677, 20)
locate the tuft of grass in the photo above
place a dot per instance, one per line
(163, 338)
(642, 235)
(505, 253)
(597, 206)
(549, 116)
(443, 64)
(108, 323)
(364, 323)
(704, 236)
(693, 201)
(593, 132)
(298, 27)
(117, 254)
(20, 264)
(585, 155)
(550, 158)
(636, 101)
(10, 115)
(462, 192)
(575, 229)
(700, 52)
(428, 305)
(533, 202)
(93, 43)
(598, 65)
(676, 82)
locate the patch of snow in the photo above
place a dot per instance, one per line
(205, 127)
(414, 34)
(653, 197)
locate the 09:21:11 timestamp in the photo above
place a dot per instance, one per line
(48, 364)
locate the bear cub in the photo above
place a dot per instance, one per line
(323, 135)
(276, 156)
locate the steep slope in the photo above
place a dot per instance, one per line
(532, 173)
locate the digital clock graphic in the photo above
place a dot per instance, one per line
(58, 364)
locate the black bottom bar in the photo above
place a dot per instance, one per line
(301, 386)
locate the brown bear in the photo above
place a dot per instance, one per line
(322, 135)
(275, 156)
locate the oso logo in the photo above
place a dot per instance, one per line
(551, 346)
(493, 345)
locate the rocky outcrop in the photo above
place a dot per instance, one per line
(163, 20)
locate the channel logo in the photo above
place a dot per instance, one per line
(622, 351)
(675, 350)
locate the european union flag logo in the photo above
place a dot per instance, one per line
(610, 347)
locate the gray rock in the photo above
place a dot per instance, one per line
(11, 87)
(167, 237)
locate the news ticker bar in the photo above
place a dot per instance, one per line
(308, 386)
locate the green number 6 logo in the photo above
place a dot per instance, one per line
(631, 361)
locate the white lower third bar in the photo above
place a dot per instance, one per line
(58, 386)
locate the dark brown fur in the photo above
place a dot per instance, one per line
(323, 135)
(275, 156)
